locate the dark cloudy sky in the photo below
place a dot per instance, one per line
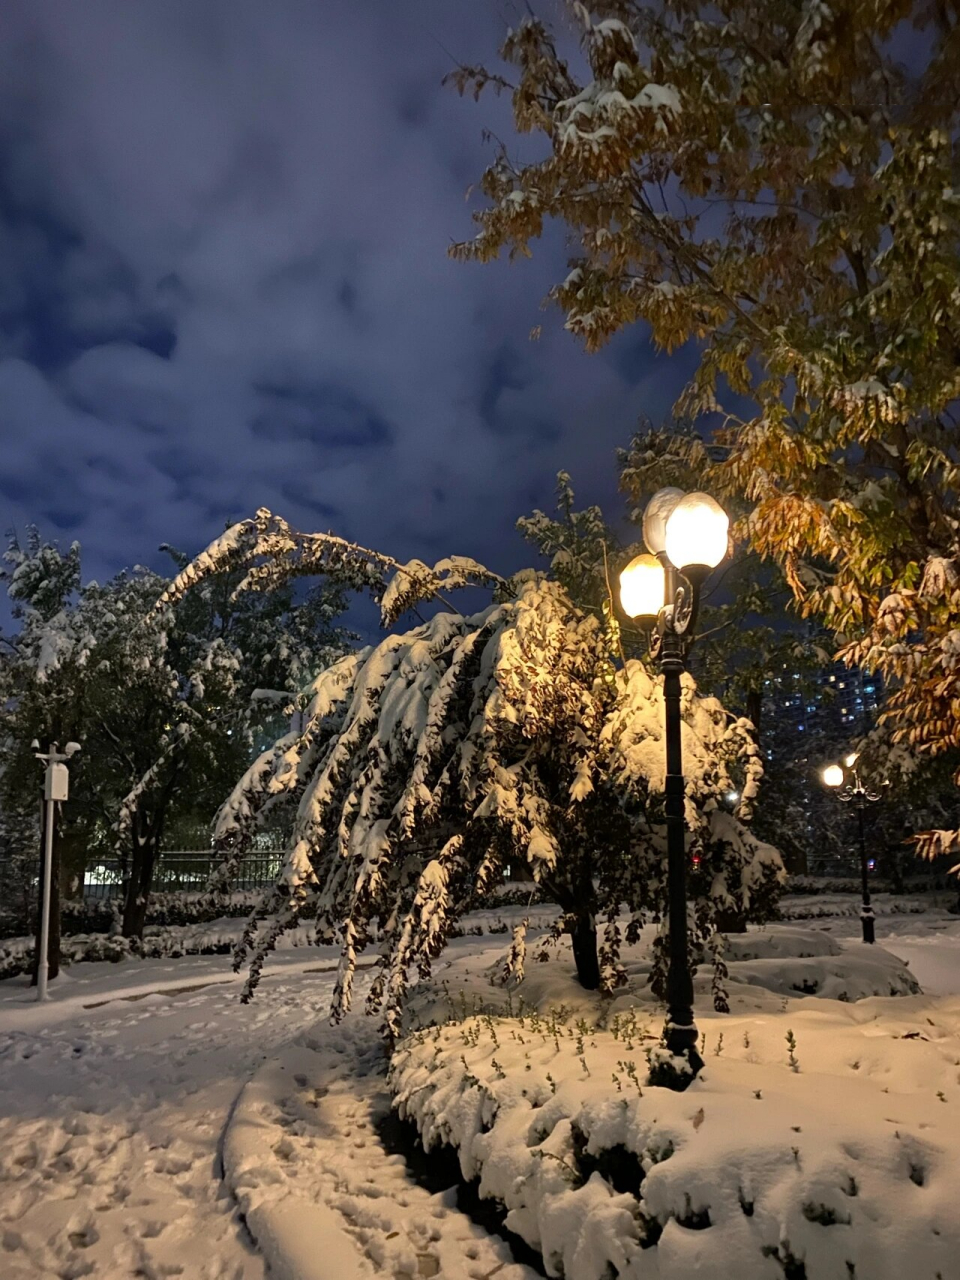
(224, 284)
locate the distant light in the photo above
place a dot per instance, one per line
(871, 864)
(733, 797)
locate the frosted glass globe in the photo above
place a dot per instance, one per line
(697, 531)
(642, 587)
(833, 775)
(655, 517)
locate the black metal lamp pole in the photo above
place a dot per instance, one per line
(856, 793)
(681, 1033)
(687, 537)
(866, 911)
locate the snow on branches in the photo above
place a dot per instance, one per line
(272, 553)
(431, 761)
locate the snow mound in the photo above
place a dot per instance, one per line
(765, 967)
(819, 1142)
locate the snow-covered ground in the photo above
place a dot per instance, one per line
(122, 1098)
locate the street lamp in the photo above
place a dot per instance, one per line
(686, 535)
(847, 776)
(56, 789)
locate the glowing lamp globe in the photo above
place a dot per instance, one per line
(642, 587)
(696, 535)
(832, 775)
(655, 517)
(851, 759)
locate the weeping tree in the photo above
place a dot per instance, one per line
(430, 762)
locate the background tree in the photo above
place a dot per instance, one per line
(774, 182)
(432, 760)
(745, 640)
(165, 704)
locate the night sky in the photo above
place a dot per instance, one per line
(225, 284)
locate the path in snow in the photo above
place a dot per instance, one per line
(111, 1119)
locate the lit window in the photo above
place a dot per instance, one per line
(842, 684)
(832, 678)
(843, 711)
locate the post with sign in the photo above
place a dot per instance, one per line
(56, 789)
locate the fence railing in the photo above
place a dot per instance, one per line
(185, 871)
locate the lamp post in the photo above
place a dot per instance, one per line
(847, 777)
(56, 788)
(687, 536)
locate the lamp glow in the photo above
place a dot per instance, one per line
(696, 533)
(832, 775)
(851, 759)
(642, 587)
(655, 517)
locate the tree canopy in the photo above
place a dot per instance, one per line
(164, 703)
(779, 185)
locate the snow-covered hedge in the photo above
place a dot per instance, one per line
(219, 937)
(212, 937)
(819, 1142)
(825, 906)
(101, 915)
(851, 884)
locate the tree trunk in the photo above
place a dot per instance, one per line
(143, 858)
(53, 940)
(895, 871)
(731, 921)
(584, 938)
(754, 710)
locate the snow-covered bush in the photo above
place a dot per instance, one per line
(818, 1142)
(16, 954)
(428, 763)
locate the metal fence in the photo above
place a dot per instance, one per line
(185, 871)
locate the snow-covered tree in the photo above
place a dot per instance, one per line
(775, 182)
(434, 759)
(162, 702)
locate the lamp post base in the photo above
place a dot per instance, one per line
(675, 1062)
(867, 923)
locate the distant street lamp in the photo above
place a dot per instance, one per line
(56, 788)
(847, 776)
(687, 535)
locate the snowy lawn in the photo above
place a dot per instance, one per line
(125, 1098)
(819, 1142)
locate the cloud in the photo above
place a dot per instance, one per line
(225, 226)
